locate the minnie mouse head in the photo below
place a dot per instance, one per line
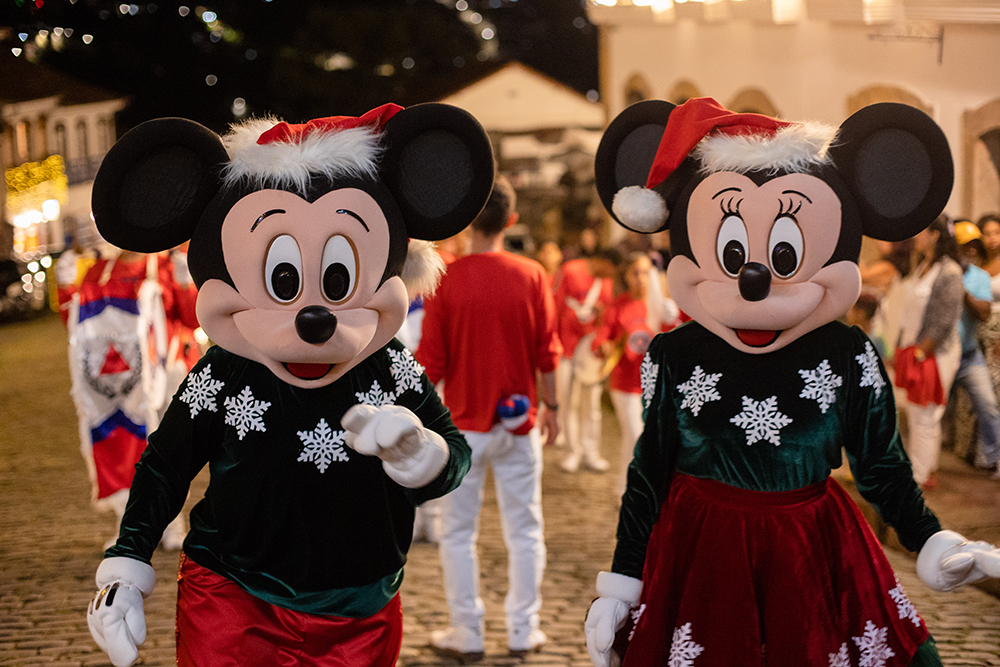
(766, 216)
(307, 241)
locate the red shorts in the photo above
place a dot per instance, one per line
(753, 578)
(221, 625)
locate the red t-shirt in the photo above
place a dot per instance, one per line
(574, 282)
(486, 332)
(625, 324)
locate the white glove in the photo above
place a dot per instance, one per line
(947, 561)
(411, 454)
(115, 615)
(607, 615)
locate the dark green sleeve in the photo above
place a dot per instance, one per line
(649, 473)
(436, 417)
(875, 452)
(174, 455)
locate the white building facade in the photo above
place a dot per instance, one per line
(820, 60)
(55, 132)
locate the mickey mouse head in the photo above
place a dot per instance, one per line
(766, 216)
(307, 241)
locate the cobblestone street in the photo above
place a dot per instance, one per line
(51, 543)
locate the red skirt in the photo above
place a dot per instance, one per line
(221, 625)
(786, 579)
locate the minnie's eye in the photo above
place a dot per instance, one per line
(340, 269)
(732, 244)
(785, 247)
(283, 269)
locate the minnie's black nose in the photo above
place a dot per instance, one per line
(315, 324)
(754, 280)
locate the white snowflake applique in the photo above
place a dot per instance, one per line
(407, 371)
(636, 614)
(683, 650)
(840, 658)
(874, 646)
(870, 375)
(699, 390)
(323, 446)
(903, 604)
(761, 420)
(821, 384)
(648, 372)
(375, 396)
(200, 391)
(245, 413)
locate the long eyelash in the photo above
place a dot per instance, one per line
(789, 212)
(728, 209)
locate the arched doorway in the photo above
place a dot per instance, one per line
(752, 100)
(637, 90)
(875, 94)
(981, 160)
(682, 91)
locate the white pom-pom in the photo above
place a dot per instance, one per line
(423, 269)
(640, 209)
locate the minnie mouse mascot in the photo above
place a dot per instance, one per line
(735, 546)
(321, 432)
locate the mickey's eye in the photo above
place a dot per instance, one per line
(785, 247)
(283, 269)
(732, 244)
(340, 269)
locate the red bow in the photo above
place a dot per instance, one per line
(286, 133)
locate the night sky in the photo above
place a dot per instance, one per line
(297, 59)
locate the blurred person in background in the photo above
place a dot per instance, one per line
(989, 331)
(928, 350)
(893, 264)
(584, 289)
(489, 333)
(973, 376)
(131, 324)
(622, 340)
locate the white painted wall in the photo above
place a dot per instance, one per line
(808, 70)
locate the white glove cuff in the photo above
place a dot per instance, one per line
(932, 553)
(620, 587)
(126, 570)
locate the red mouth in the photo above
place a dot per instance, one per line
(757, 337)
(308, 371)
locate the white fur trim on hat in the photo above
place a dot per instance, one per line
(795, 149)
(640, 209)
(289, 165)
(423, 269)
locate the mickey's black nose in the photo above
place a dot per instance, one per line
(755, 281)
(315, 324)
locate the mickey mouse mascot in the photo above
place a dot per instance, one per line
(321, 432)
(735, 547)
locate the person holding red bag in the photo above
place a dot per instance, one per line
(928, 351)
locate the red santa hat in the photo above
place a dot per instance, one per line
(268, 152)
(720, 140)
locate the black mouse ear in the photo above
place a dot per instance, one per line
(623, 161)
(438, 163)
(155, 182)
(897, 164)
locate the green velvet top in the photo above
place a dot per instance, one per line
(290, 514)
(767, 422)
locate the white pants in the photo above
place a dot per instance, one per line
(925, 439)
(628, 408)
(580, 413)
(517, 475)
